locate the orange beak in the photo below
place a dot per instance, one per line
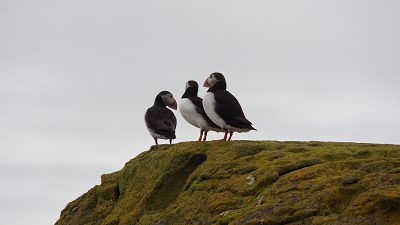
(206, 84)
(174, 105)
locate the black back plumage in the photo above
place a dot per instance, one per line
(191, 93)
(228, 107)
(160, 119)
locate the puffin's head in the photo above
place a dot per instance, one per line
(168, 99)
(213, 79)
(192, 84)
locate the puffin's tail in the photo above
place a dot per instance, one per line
(245, 123)
(168, 134)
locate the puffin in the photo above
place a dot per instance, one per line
(191, 108)
(223, 108)
(161, 121)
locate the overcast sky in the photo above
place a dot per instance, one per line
(77, 76)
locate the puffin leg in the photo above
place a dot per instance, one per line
(155, 139)
(205, 135)
(170, 141)
(201, 134)
(230, 135)
(225, 136)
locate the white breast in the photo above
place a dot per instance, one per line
(209, 105)
(190, 114)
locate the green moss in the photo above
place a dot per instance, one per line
(245, 182)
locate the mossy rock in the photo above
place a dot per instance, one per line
(248, 182)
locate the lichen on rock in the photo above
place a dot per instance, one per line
(248, 182)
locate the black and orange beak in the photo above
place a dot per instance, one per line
(174, 105)
(206, 84)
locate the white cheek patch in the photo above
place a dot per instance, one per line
(168, 99)
(163, 97)
(212, 81)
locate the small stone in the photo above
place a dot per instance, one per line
(250, 179)
(75, 209)
(260, 201)
(224, 213)
(350, 179)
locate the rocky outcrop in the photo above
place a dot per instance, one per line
(243, 182)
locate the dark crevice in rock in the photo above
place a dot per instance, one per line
(285, 169)
(117, 192)
(170, 186)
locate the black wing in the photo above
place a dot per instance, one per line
(228, 107)
(198, 102)
(161, 120)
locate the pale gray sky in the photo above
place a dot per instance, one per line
(77, 76)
